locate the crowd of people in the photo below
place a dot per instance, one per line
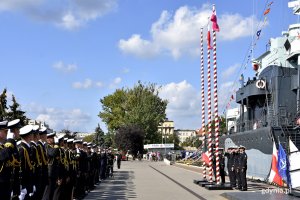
(38, 165)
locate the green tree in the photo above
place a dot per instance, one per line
(140, 105)
(3, 106)
(15, 112)
(99, 136)
(88, 138)
(109, 139)
(173, 139)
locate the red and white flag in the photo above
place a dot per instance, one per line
(205, 157)
(214, 21)
(274, 175)
(208, 38)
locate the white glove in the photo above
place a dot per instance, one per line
(11, 194)
(23, 193)
(10, 135)
(30, 194)
(34, 189)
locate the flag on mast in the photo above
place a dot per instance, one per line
(213, 19)
(208, 38)
(274, 175)
(282, 164)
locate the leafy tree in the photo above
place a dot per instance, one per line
(99, 136)
(140, 105)
(109, 139)
(3, 106)
(173, 139)
(16, 113)
(88, 138)
(130, 138)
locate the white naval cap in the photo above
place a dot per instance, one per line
(35, 128)
(51, 134)
(14, 124)
(25, 130)
(43, 130)
(70, 140)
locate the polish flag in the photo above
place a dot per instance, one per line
(208, 38)
(205, 157)
(213, 19)
(274, 175)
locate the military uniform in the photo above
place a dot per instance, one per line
(53, 168)
(243, 169)
(6, 151)
(27, 165)
(43, 179)
(14, 127)
(230, 167)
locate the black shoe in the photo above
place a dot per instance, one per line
(244, 189)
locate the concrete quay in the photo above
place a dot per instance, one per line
(156, 180)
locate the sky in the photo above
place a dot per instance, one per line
(60, 57)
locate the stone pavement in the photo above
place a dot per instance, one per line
(156, 180)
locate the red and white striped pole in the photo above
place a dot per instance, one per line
(210, 172)
(203, 101)
(216, 106)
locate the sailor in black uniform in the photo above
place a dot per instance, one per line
(27, 165)
(230, 166)
(236, 167)
(14, 134)
(243, 168)
(43, 179)
(6, 152)
(53, 168)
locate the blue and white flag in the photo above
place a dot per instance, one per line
(282, 164)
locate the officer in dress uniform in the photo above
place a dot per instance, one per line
(27, 165)
(14, 134)
(6, 152)
(60, 193)
(71, 174)
(37, 162)
(53, 168)
(243, 168)
(236, 166)
(43, 179)
(230, 167)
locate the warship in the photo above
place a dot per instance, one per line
(269, 103)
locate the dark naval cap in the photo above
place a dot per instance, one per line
(3, 125)
(14, 124)
(26, 130)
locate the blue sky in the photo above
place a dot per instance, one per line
(60, 57)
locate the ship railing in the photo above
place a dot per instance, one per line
(248, 125)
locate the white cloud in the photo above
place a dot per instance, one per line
(58, 119)
(88, 83)
(178, 34)
(68, 14)
(115, 83)
(184, 105)
(125, 70)
(83, 85)
(65, 67)
(228, 72)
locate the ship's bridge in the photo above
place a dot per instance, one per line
(252, 89)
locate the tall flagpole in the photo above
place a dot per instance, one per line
(209, 108)
(216, 106)
(202, 101)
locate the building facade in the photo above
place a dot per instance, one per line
(184, 134)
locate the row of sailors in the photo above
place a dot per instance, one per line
(37, 168)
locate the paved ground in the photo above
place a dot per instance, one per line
(156, 180)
